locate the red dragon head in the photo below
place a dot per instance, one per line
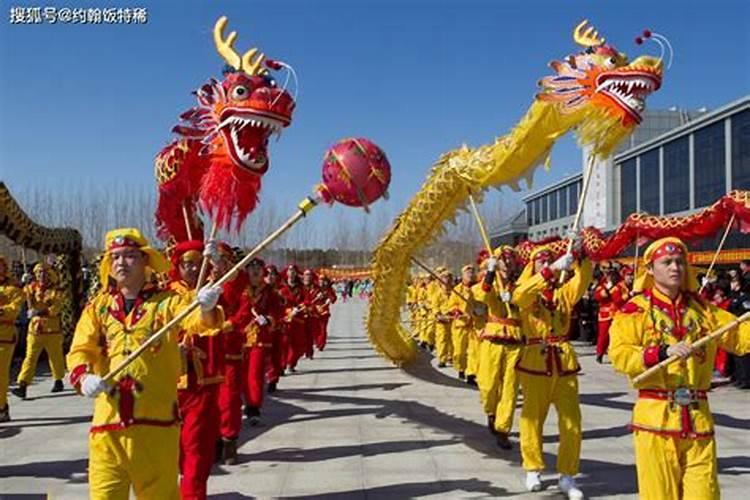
(233, 122)
(601, 86)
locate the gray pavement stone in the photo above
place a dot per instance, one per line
(350, 426)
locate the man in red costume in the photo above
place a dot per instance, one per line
(230, 391)
(328, 297)
(611, 294)
(198, 387)
(312, 298)
(294, 316)
(276, 364)
(259, 312)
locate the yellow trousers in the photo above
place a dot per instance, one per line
(675, 468)
(443, 344)
(472, 356)
(6, 356)
(460, 336)
(498, 383)
(145, 457)
(50, 342)
(428, 331)
(539, 392)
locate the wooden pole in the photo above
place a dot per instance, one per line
(439, 278)
(204, 263)
(581, 201)
(187, 221)
(303, 209)
(718, 251)
(700, 343)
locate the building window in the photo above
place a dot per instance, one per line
(710, 170)
(741, 150)
(529, 214)
(676, 175)
(572, 198)
(537, 211)
(627, 189)
(563, 194)
(650, 182)
(545, 204)
(553, 205)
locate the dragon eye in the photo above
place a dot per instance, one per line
(240, 92)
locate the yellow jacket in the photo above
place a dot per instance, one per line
(440, 303)
(459, 309)
(49, 302)
(146, 391)
(546, 311)
(503, 319)
(11, 300)
(651, 320)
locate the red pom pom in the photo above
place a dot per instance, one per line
(646, 33)
(638, 40)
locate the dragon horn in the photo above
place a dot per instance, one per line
(588, 38)
(249, 62)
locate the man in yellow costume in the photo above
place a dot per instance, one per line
(442, 309)
(548, 366)
(11, 300)
(135, 432)
(675, 449)
(427, 337)
(501, 344)
(44, 302)
(462, 328)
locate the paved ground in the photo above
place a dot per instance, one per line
(348, 425)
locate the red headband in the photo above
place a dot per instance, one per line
(123, 242)
(666, 249)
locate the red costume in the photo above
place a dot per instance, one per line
(276, 363)
(328, 297)
(294, 321)
(312, 299)
(198, 388)
(610, 296)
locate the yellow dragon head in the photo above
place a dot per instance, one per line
(605, 91)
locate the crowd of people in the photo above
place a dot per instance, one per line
(177, 408)
(507, 324)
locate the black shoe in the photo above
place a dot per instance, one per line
(461, 375)
(58, 386)
(503, 441)
(491, 424)
(5, 414)
(441, 365)
(599, 358)
(472, 380)
(253, 415)
(219, 450)
(423, 345)
(431, 347)
(20, 391)
(229, 452)
(293, 370)
(272, 387)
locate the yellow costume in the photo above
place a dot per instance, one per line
(548, 365)
(441, 308)
(500, 348)
(11, 300)
(462, 329)
(44, 332)
(134, 437)
(673, 428)
(428, 323)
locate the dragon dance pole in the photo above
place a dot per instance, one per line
(368, 173)
(700, 343)
(435, 275)
(487, 244)
(204, 263)
(718, 251)
(581, 202)
(187, 222)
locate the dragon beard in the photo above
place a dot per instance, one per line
(228, 193)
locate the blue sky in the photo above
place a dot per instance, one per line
(82, 103)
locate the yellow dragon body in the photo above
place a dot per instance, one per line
(597, 92)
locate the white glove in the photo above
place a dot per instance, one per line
(704, 281)
(261, 320)
(505, 296)
(93, 385)
(575, 237)
(27, 278)
(564, 263)
(296, 311)
(208, 297)
(211, 250)
(491, 264)
(746, 305)
(31, 313)
(680, 349)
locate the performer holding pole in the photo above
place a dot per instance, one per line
(662, 340)
(11, 301)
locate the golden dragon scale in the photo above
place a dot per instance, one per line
(591, 91)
